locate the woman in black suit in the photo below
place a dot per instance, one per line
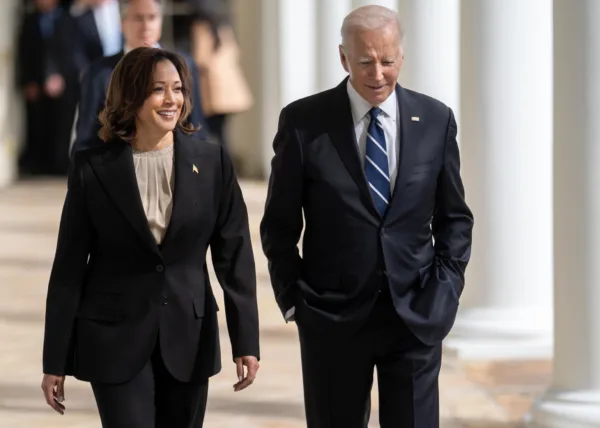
(130, 308)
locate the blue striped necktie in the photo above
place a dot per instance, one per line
(376, 163)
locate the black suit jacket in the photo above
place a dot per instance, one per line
(349, 251)
(94, 84)
(33, 61)
(103, 314)
(89, 35)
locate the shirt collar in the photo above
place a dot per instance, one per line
(360, 107)
(127, 49)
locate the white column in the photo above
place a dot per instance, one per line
(432, 49)
(506, 147)
(331, 14)
(573, 399)
(390, 4)
(278, 41)
(11, 117)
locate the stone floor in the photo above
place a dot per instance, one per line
(483, 395)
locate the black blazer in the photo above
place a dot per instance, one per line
(349, 251)
(112, 289)
(89, 35)
(94, 84)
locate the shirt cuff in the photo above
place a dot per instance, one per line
(289, 315)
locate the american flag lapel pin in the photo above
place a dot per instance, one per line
(415, 118)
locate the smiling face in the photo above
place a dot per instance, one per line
(162, 109)
(373, 58)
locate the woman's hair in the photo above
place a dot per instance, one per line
(131, 84)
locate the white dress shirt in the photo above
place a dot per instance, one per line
(389, 119)
(108, 22)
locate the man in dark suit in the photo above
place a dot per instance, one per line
(99, 27)
(44, 73)
(142, 26)
(374, 170)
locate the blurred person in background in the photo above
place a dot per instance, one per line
(130, 307)
(371, 172)
(225, 90)
(141, 21)
(47, 73)
(98, 22)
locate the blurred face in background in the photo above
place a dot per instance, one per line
(45, 5)
(142, 23)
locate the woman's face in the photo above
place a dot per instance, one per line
(161, 110)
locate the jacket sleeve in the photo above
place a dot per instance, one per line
(452, 223)
(282, 223)
(67, 275)
(233, 261)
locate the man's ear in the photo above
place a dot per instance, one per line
(343, 59)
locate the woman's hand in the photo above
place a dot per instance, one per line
(245, 381)
(54, 391)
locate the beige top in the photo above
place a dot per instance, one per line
(155, 178)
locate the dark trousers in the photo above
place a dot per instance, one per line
(338, 374)
(153, 399)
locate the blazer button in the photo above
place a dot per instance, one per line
(165, 301)
(160, 268)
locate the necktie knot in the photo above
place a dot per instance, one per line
(374, 112)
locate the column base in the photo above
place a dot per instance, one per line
(577, 409)
(501, 333)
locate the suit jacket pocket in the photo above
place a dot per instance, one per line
(425, 274)
(102, 307)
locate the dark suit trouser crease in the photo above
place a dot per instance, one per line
(153, 399)
(338, 374)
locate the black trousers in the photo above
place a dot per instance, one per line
(153, 399)
(338, 374)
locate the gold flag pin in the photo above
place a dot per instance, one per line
(194, 168)
(415, 118)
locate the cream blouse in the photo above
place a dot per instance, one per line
(155, 178)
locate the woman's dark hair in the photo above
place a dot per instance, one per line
(131, 83)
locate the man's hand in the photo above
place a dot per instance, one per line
(54, 391)
(54, 86)
(246, 380)
(32, 91)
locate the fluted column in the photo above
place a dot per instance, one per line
(278, 41)
(573, 399)
(11, 108)
(506, 146)
(432, 49)
(330, 17)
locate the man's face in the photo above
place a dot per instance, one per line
(373, 58)
(45, 5)
(142, 23)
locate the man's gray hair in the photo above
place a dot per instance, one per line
(372, 17)
(124, 5)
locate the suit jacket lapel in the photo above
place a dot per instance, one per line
(410, 135)
(344, 140)
(116, 172)
(189, 177)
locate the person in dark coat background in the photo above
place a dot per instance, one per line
(46, 72)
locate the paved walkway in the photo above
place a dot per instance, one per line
(484, 395)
